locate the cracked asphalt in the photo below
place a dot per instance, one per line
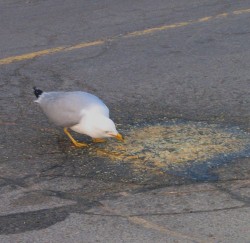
(152, 62)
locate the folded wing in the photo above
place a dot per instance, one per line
(67, 108)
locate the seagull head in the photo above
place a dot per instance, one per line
(103, 127)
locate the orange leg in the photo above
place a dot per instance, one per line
(77, 144)
(98, 140)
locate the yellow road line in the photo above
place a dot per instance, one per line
(84, 45)
(164, 230)
(50, 51)
(153, 226)
(30, 55)
(156, 29)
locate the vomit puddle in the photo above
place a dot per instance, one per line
(164, 146)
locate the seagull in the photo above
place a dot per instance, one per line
(80, 111)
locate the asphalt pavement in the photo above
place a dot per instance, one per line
(176, 78)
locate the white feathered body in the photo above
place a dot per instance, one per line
(80, 111)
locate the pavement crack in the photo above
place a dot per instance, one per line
(234, 195)
(165, 214)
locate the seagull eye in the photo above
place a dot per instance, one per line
(107, 131)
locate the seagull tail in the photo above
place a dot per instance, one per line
(37, 92)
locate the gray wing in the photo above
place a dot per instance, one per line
(64, 108)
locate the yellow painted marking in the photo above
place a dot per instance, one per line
(50, 51)
(153, 226)
(164, 230)
(32, 55)
(205, 19)
(84, 45)
(242, 11)
(223, 15)
(156, 29)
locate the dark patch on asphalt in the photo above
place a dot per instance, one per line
(21, 222)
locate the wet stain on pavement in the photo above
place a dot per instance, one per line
(181, 149)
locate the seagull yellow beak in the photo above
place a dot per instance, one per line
(119, 137)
